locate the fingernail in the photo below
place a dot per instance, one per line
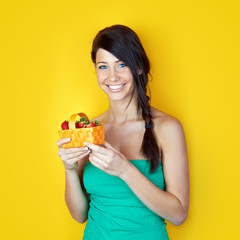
(85, 143)
(85, 148)
(68, 139)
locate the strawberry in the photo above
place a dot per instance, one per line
(79, 124)
(89, 124)
(64, 125)
(82, 123)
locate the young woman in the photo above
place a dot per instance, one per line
(127, 187)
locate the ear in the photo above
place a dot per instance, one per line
(139, 71)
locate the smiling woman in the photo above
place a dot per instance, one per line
(127, 187)
(113, 75)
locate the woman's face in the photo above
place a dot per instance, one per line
(113, 76)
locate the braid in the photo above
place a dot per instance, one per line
(149, 147)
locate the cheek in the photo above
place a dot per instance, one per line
(100, 81)
(128, 75)
(101, 77)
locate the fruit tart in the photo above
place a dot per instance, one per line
(81, 131)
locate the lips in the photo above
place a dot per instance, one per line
(116, 88)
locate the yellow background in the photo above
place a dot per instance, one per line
(47, 75)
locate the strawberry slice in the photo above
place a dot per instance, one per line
(65, 125)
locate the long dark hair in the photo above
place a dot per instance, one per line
(123, 43)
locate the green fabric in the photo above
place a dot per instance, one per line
(116, 212)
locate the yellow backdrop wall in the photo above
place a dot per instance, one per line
(47, 75)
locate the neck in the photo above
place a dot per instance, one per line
(118, 113)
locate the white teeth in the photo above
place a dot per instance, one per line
(116, 86)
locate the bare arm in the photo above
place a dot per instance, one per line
(75, 195)
(173, 203)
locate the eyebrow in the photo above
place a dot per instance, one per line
(106, 62)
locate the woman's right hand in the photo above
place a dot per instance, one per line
(71, 156)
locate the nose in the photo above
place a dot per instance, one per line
(113, 75)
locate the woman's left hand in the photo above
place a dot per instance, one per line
(108, 159)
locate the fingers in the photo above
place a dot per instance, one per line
(107, 155)
(72, 162)
(96, 161)
(60, 142)
(104, 160)
(73, 150)
(70, 156)
(101, 152)
(96, 148)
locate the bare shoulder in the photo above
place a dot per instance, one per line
(164, 123)
(169, 131)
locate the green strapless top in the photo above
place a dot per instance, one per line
(116, 212)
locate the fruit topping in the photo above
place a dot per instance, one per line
(65, 125)
(82, 123)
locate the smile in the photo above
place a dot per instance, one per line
(116, 88)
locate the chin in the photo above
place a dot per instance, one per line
(120, 98)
